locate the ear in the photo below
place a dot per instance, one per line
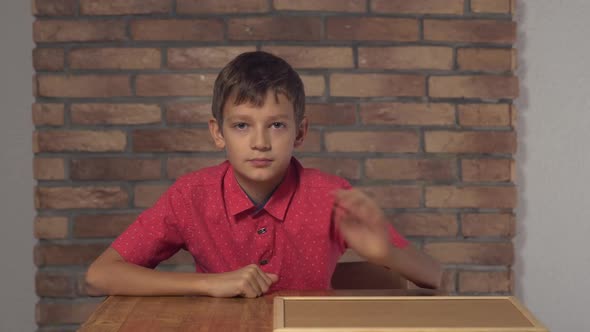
(216, 133)
(301, 132)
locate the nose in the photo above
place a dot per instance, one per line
(260, 140)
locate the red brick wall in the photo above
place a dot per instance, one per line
(409, 100)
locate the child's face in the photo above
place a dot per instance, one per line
(259, 141)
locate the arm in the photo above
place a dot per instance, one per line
(414, 265)
(110, 274)
(365, 229)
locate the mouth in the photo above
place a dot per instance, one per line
(260, 162)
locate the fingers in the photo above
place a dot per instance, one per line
(358, 204)
(255, 282)
(263, 280)
(273, 277)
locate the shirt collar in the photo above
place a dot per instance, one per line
(237, 201)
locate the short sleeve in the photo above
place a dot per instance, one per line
(154, 236)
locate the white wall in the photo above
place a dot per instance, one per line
(553, 247)
(17, 298)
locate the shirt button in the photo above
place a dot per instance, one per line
(263, 262)
(262, 231)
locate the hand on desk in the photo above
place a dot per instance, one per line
(249, 281)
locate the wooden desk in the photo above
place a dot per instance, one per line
(129, 313)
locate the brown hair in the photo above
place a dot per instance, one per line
(250, 76)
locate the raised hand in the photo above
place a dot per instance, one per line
(362, 224)
(249, 281)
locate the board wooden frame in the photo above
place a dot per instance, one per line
(279, 315)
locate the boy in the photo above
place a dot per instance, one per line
(258, 222)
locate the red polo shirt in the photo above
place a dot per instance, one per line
(208, 214)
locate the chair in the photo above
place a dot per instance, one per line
(353, 272)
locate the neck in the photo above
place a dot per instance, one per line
(257, 191)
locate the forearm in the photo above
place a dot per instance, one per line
(121, 278)
(415, 266)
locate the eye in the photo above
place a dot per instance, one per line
(278, 125)
(240, 125)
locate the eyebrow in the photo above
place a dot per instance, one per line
(241, 117)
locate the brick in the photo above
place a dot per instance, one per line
(204, 57)
(169, 140)
(178, 166)
(377, 85)
(513, 6)
(372, 29)
(275, 28)
(425, 224)
(471, 197)
(74, 312)
(48, 114)
(484, 115)
(330, 114)
(221, 7)
(349, 6)
(188, 113)
(78, 31)
(410, 169)
(35, 85)
(103, 225)
(314, 85)
(485, 282)
(59, 198)
(374, 141)
(49, 59)
(470, 142)
(406, 57)
(513, 116)
(470, 31)
(115, 114)
(499, 225)
(491, 6)
(162, 85)
(54, 7)
(343, 167)
(486, 59)
(501, 253)
(146, 195)
(130, 169)
(125, 7)
(114, 58)
(51, 227)
(390, 197)
(49, 169)
(486, 170)
(314, 57)
(485, 87)
(79, 140)
(177, 30)
(55, 284)
(312, 142)
(84, 86)
(67, 254)
(418, 6)
(408, 114)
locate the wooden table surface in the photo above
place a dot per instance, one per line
(177, 313)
